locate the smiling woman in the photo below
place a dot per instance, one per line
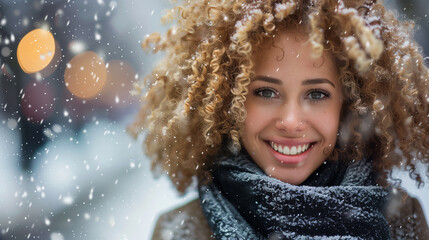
(290, 115)
(293, 109)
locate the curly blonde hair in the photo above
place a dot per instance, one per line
(194, 100)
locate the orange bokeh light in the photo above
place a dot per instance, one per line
(36, 50)
(52, 66)
(85, 75)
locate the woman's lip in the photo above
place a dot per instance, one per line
(291, 159)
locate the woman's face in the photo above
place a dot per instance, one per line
(293, 108)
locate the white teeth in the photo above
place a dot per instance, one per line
(286, 150)
(294, 150)
(275, 147)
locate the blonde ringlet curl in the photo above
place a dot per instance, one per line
(193, 102)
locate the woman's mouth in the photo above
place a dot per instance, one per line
(290, 150)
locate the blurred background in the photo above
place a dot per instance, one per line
(68, 169)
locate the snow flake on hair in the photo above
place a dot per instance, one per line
(284, 9)
(364, 43)
(367, 11)
(371, 17)
(251, 13)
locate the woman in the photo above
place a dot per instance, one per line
(290, 115)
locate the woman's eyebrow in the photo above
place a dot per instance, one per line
(305, 82)
(268, 79)
(317, 81)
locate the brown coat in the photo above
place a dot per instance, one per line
(403, 213)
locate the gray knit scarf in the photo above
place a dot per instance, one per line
(336, 202)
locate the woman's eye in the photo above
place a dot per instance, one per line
(266, 93)
(317, 95)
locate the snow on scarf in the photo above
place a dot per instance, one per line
(335, 202)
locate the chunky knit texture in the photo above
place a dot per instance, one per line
(336, 202)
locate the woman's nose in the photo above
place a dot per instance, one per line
(290, 118)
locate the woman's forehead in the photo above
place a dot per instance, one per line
(289, 43)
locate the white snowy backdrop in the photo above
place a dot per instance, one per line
(77, 174)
